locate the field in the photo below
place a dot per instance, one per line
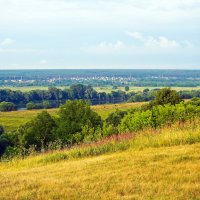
(107, 89)
(165, 165)
(12, 120)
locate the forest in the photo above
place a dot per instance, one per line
(54, 97)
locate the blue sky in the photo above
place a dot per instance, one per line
(140, 34)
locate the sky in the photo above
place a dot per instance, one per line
(108, 34)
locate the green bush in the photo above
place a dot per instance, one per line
(7, 106)
(158, 116)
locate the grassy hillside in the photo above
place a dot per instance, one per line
(11, 120)
(154, 165)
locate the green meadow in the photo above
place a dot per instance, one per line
(12, 120)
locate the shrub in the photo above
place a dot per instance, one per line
(159, 116)
(32, 106)
(115, 118)
(7, 106)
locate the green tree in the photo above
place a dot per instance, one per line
(46, 104)
(167, 96)
(114, 87)
(127, 88)
(73, 116)
(115, 118)
(7, 106)
(30, 106)
(4, 142)
(1, 130)
(39, 131)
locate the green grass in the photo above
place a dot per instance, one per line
(106, 89)
(12, 120)
(153, 165)
(28, 88)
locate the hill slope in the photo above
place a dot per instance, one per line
(151, 173)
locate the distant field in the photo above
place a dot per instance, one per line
(107, 89)
(137, 89)
(12, 120)
(27, 89)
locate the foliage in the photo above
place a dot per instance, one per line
(167, 96)
(38, 132)
(115, 118)
(158, 116)
(54, 97)
(4, 142)
(127, 88)
(7, 106)
(1, 130)
(43, 105)
(77, 123)
(73, 116)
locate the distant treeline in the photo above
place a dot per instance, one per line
(53, 97)
(100, 78)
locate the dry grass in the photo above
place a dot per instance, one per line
(154, 173)
(154, 166)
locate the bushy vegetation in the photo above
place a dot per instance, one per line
(7, 106)
(77, 123)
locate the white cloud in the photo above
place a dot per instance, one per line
(104, 47)
(161, 42)
(135, 35)
(7, 42)
(164, 26)
(148, 45)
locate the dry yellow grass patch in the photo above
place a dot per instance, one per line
(152, 173)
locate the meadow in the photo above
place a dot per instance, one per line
(106, 89)
(12, 120)
(162, 164)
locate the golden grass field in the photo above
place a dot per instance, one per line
(161, 165)
(12, 120)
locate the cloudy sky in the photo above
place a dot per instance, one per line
(100, 34)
